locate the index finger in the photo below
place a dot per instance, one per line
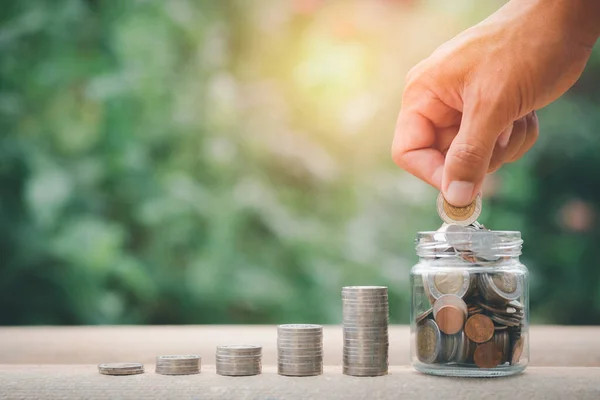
(413, 148)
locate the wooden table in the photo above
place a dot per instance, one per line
(60, 362)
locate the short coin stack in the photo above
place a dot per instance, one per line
(121, 369)
(178, 365)
(239, 360)
(300, 350)
(366, 344)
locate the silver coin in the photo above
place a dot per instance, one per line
(500, 287)
(178, 364)
(503, 320)
(368, 289)
(365, 343)
(459, 215)
(121, 368)
(369, 326)
(516, 304)
(450, 299)
(365, 358)
(428, 342)
(300, 357)
(351, 371)
(299, 367)
(300, 351)
(300, 342)
(239, 349)
(236, 368)
(241, 373)
(420, 317)
(456, 282)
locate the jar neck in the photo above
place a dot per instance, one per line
(462, 259)
(480, 247)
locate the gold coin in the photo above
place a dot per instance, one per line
(458, 215)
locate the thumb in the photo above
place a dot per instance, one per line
(469, 155)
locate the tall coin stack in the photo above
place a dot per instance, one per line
(366, 344)
(239, 360)
(178, 365)
(300, 350)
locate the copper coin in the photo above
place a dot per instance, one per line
(450, 319)
(479, 328)
(517, 351)
(487, 355)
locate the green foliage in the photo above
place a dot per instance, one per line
(228, 162)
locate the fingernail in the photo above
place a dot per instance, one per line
(459, 193)
(504, 137)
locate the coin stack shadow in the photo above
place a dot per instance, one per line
(178, 365)
(366, 317)
(238, 360)
(300, 350)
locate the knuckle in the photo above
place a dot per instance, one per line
(469, 154)
(398, 156)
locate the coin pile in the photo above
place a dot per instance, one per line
(239, 360)
(481, 308)
(300, 350)
(178, 365)
(121, 369)
(365, 328)
(476, 315)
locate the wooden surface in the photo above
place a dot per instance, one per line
(84, 382)
(61, 362)
(550, 345)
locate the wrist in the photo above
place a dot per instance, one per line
(578, 19)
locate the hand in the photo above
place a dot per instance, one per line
(469, 107)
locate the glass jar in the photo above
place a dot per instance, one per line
(469, 303)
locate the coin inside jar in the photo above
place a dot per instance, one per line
(459, 215)
(429, 342)
(450, 313)
(448, 282)
(487, 355)
(450, 319)
(517, 351)
(479, 328)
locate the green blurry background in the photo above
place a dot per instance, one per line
(182, 161)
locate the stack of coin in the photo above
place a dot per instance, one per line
(239, 360)
(366, 317)
(300, 349)
(121, 369)
(178, 365)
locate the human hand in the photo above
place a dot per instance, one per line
(469, 107)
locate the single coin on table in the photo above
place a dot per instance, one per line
(121, 369)
(459, 215)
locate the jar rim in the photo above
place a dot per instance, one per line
(514, 234)
(487, 243)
